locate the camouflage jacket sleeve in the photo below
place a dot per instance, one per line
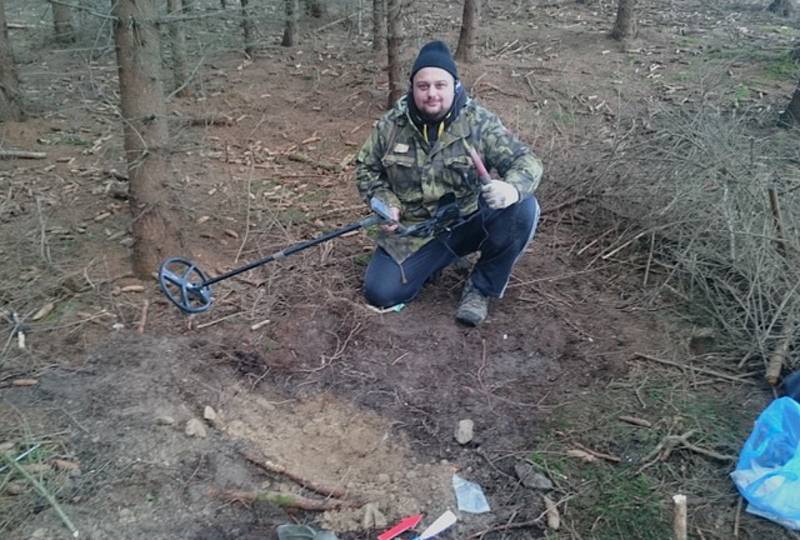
(504, 152)
(370, 174)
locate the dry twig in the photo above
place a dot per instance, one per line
(284, 500)
(273, 467)
(704, 371)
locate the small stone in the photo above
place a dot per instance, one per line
(373, 517)
(464, 431)
(165, 420)
(530, 478)
(209, 414)
(195, 428)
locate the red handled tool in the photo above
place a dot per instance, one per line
(483, 174)
(404, 525)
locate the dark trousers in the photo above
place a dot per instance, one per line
(500, 235)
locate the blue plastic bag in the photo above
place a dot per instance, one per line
(768, 471)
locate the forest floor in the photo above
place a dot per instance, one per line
(563, 379)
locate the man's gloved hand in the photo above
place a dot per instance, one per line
(499, 194)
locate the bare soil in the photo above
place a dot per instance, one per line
(325, 387)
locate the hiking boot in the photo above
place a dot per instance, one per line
(474, 306)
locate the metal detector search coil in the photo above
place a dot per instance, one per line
(185, 285)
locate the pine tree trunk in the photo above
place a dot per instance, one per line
(394, 42)
(315, 8)
(465, 52)
(784, 8)
(145, 127)
(625, 26)
(791, 116)
(247, 29)
(62, 22)
(378, 25)
(178, 42)
(290, 30)
(10, 107)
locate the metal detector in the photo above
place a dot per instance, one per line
(187, 286)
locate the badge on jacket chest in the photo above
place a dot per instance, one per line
(400, 148)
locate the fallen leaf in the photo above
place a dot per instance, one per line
(43, 312)
(551, 511)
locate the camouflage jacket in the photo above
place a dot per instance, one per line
(398, 166)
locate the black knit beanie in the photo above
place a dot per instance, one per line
(435, 54)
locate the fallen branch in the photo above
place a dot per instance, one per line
(211, 120)
(636, 421)
(21, 154)
(284, 500)
(704, 371)
(664, 449)
(143, 320)
(777, 357)
(601, 455)
(273, 467)
(42, 491)
(563, 205)
(302, 158)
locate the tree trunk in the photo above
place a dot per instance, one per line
(62, 22)
(10, 106)
(178, 42)
(465, 52)
(625, 26)
(290, 30)
(315, 8)
(378, 25)
(784, 8)
(791, 116)
(145, 126)
(394, 42)
(247, 29)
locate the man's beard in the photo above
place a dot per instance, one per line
(430, 118)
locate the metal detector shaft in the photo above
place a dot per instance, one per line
(291, 250)
(186, 286)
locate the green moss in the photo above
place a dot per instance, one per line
(782, 67)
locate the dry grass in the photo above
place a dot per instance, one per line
(694, 188)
